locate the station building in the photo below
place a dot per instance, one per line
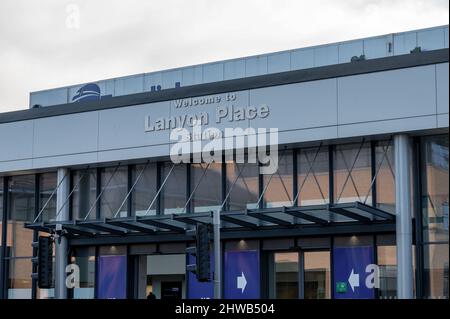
(362, 177)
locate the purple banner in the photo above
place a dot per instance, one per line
(200, 290)
(350, 272)
(112, 277)
(242, 275)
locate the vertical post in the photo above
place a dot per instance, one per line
(403, 219)
(3, 239)
(217, 256)
(61, 245)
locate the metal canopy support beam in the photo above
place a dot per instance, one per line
(270, 219)
(72, 229)
(238, 222)
(300, 214)
(130, 225)
(161, 224)
(103, 227)
(191, 219)
(403, 217)
(349, 214)
(375, 211)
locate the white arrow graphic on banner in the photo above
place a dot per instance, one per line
(353, 280)
(241, 282)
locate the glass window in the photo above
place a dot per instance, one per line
(174, 195)
(286, 275)
(387, 263)
(278, 187)
(317, 275)
(207, 186)
(21, 210)
(114, 181)
(435, 188)
(385, 181)
(242, 185)
(47, 185)
(84, 258)
(313, 176)
(84, 184)
(436, 271)
(19, 278)
(1, 209)
(352, 173)
(145, 190)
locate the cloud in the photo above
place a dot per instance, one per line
(116, 38)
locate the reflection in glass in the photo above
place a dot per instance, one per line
(84, 184)
(313, 176)
(352, 173)
(19, 278)
(207, 186)
(436, 271)
(435, 188)
(47, 185)
(286, 275)
(317, 275)
(244, 192)
(385, 181)
(20, 211)
(278, 187)
(85, 259)
(173, 195)
(387, 263)
(145, 190)
(115, 184)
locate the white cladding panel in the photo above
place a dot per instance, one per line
(50, 97)
(129, 85)
(302, 59)
(349, 50)
(234, 69)
(387, 95)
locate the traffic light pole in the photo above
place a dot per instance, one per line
(217, 256)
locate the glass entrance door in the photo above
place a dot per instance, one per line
(286, 275)
(316, 275)
(300, 274)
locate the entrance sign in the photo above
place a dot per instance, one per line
(242, 275)
(112, 277)
(355, 274)
(196, 289)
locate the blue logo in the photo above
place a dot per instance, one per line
(88, 92)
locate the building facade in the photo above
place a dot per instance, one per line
(358, 207)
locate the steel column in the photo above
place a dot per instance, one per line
(61, 242)
(403, 220)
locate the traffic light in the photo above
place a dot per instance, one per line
(201, 252)
(44, 262)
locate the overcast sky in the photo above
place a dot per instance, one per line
(53, 43)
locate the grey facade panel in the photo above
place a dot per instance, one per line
(387, 95)
(67, 134)
(442, 84)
